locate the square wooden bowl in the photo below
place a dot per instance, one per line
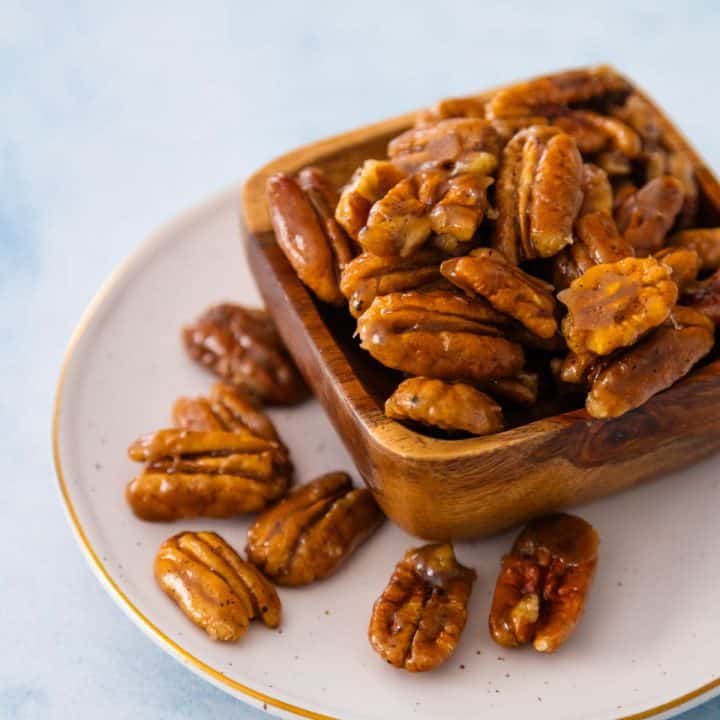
(445, 489)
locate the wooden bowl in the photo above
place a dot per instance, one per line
(445, 489)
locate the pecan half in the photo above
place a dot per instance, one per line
(595, 133)
(683, 263)
(189, 473)
(506, 287)
(449, 406)
(520, 390)
(613, 305)
(306, 536)
(242, 347)
(444, 143)
(439, 334)
(543, 582)
(538, 194)
(705, 297)
(214, 586)
(455, 107)
(597, 191)
(305, 229)
(417, 622)
(651, 366)
(704, 241)
(371, 181)
(645, 217)
(576, 367)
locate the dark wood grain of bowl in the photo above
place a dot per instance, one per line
(442, 489)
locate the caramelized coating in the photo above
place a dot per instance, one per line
(439, 334)
(683, 263)
(214, 586)
(368, 276)
(507, 288)
(242, 347)
(645, 217)
(660, 161)
(371, 181)
(636, 113)
(520, 390)
(597, 191)
(613, 305)
(191, 473)
(456, 107)
(651, 366)
(594, 133)
(417, 622)
(538, 195)
(306, 536)
(704, 241)
(443, 143)
(575, 368)
(705, 297)
(449, 406)
(543, 582)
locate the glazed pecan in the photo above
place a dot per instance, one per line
(597, 191)
(439, 334)
(543, 582)
(613, 305)
(242, 347)
(506, 287)
(645, 217)
(444, 143)
(189, 473)
(705, 297)
(449, 406)
(417, 622)
(704, 241)
(456, 107)
(575, 368)
(654, 364)
(636, 113)
(520, 390)
(371, 181)
(684, 264)
(368, 276)
(315, 245)
(214, 586)
(538, 194)
(306, 536)
(596, 133)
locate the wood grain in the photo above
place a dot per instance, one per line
(449, 489)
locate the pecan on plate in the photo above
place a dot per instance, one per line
(654, 364)
(306, 536)
(439, 334)
(543, 582)
(684, 264)
(417, 622)
(486, 272)
(444, 143)
(242, 347)
(190, 473)
(368, 276)
(705, 297)
(597, 191)
(455, 107)
(315, 245)
(449, 406)
(645, 217)
(229, 409)
(704, 241)
(538, 194)
(214, 586)
(612, 305)
(371, 181)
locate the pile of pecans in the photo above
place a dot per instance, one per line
(539, 242)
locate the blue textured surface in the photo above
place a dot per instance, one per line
(112, 120)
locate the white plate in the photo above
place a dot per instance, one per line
(648, 643)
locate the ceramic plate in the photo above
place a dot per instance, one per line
(646, 647)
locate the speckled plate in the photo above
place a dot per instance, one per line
(646, 648)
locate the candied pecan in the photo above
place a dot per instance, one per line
(368, 276)
(614, 163)
(306, 536)
(214, 586)
(597, 191)
(538, 195)
(443, 143)
(704, 241)
(645, 217)
(450, 406)
(214, 473)
(614, 304)
(594, 133)
(371, 181)
(242, 347)
(314, 244)
(575, 368)
(660, 161)
(640, 117)
(651, 366)
(439, 334)
(417, 622)
(684, 264)
(543, 582)
(536, 101)
(455, 107)
(521, 389)
(506, 287)
(705, 297)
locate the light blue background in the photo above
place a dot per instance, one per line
(113, 118)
